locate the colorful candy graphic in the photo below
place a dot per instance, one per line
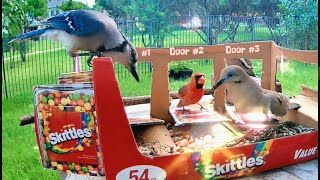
(52, 102)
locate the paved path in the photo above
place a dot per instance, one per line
(37, 52)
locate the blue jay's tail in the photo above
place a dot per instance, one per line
(29, 34)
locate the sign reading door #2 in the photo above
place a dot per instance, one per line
(142, 172)
(184, 51)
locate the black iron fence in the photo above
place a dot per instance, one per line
(41, 61)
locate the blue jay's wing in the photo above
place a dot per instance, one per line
(80, 22)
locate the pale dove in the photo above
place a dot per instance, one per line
(247, 66)
(249, 98)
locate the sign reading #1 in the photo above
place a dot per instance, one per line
(142, 172)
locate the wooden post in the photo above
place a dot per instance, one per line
(160, 101)
(220, 93)
(269, 69)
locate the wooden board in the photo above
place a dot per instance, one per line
(144, 121)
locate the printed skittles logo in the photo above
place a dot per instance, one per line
(64, 109)
(74, 136)
(68, 135)
(238, 165)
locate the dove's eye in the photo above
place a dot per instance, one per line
(229, 74)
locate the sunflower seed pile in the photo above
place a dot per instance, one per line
(283, 129)
(154, 148)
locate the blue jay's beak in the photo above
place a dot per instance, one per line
(133, 65)
(133, 59)
(221, 81)
(133, 71)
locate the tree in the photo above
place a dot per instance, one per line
(299, 20)
(72, 5)
(152, 17)
(268, 9)
(17, 15)
(220, 20)
(115, 8)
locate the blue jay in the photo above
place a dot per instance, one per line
(91, 31)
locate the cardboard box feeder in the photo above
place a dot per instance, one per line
(113, 150)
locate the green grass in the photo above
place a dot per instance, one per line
(21, 159)
(292, 74)
(297, 73)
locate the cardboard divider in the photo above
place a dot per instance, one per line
(154, 133)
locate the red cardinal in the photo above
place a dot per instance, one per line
(192, 92)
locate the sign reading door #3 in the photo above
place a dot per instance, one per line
(142, 172)
(241, 50)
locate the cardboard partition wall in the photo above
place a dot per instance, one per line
(120, 154)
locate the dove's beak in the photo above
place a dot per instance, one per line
(221, 81)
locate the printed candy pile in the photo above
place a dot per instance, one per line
(66, 102)
(88, 170)
(69, 78)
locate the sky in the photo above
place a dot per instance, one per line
(90, 3)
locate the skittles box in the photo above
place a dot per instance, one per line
(66, 128)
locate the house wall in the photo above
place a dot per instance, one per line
(52, 7)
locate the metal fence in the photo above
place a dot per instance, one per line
(41, 61)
